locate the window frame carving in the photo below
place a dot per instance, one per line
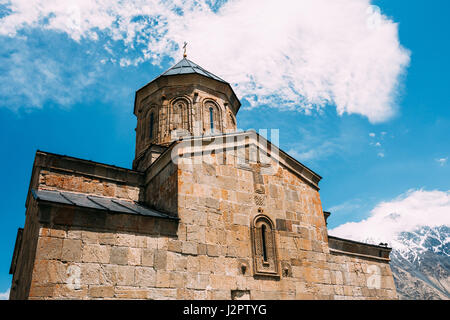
(265, 253)
(217, 117)
(185, 116)
(153, 109)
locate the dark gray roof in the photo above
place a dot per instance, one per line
(186, 66)
(96, 202)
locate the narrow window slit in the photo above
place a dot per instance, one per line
(264, 247)
(151, 125)
(211, 118)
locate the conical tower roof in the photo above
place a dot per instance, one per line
(186, 66)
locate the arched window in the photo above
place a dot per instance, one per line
(212, 122)
(211, 118)
(152, 124)
(180, 115)
(231, 120)
(264, 242)
(264, 247)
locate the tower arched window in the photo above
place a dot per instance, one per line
(211, 118)
(152, 126)
(180, 115)
(212, 122)
(264, 246)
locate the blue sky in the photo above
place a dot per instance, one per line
(72, 93)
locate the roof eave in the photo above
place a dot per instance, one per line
(182, 74)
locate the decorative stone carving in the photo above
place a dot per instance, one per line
(264, 246)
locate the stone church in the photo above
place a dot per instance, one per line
(206, 212)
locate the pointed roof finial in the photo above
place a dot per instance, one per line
(184, 47)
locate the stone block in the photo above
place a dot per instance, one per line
(89, 236)
(106, 238)
(195, 233)
(174, 245)
(49, 248)
(90, 273)
(108, 274)
(148, 257)
(119, 255)
(201, 249)
(192, 264)
(63, 291)
(101, 291)
(125, 275)
(241, 219)
(178, 279)
(212, 250)
(41, 290)
(96, 253)
(212, 203)
(141, 241)
(129, 293)
(162, 243)
(49, 271)
(160, 260)
(73, 234)
(244, 198)
(125, 240)
(163, 279)
(145, 277)
(223, 282)
(189, 247)
(71, 250)
(162, 294)
(134, 256)
(198, 281)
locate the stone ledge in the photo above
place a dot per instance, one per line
(358, 248)
(366, 256)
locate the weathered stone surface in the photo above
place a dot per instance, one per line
(189, 247)
(125, 275)
(71, 250)
(95, 253)
(101, 291)
(50, 248)
(119, 255)
(145, 277)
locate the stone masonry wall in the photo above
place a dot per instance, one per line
(161, 190)
(51, 180)
(85, 254)
(218, 200)
(23, 273)
(207, 254)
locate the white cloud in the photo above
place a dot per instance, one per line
(442, 161)
(380, 154)
(4, 295)
(32, 77)
(297, 54)
(372, 134)
(320, 151)
(346, 206)
(407, 212)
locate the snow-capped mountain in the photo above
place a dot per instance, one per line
(420, 263)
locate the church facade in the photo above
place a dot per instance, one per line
(206, 212)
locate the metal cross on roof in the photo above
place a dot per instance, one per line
(184, 47)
